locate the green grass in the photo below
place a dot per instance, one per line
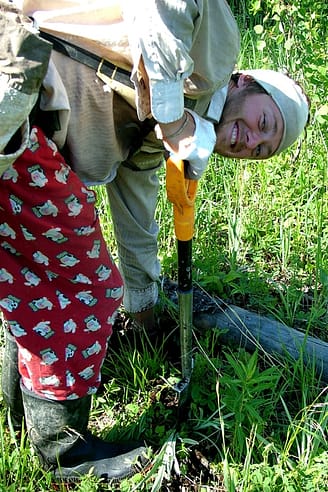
(260, 242)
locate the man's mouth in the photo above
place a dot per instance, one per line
(234, 135)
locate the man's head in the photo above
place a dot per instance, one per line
(264, 113)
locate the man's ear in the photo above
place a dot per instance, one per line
(243, 80)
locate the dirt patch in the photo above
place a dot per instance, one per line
(196, 474)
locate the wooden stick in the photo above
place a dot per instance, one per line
(252, 330)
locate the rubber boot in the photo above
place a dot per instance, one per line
(58, 432)
(10, 382)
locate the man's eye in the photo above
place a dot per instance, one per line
(263, 123)
(258, 151)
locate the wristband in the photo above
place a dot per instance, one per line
(178, 131)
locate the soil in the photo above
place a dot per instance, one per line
(197, 474)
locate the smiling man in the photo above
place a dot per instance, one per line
(251, 125)
(172, 86)
(264, 113)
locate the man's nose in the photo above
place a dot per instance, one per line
(252, 140)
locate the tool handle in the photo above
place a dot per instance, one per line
(182, 193)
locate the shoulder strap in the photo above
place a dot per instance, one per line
(89, 59)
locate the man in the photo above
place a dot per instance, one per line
(184, 100)
(179, 59)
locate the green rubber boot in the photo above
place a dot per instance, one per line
(10, 382)
(58, 432)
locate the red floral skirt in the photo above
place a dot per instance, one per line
(59, 288)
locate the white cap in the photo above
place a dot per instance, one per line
(289, 98)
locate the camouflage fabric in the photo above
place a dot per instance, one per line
(23, 63)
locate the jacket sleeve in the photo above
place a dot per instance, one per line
(161, 34)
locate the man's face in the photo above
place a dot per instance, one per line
(251, 126)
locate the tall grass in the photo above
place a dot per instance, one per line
(261, 237)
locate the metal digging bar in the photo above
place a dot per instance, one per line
(181, 192)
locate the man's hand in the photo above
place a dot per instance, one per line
(192, 139)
